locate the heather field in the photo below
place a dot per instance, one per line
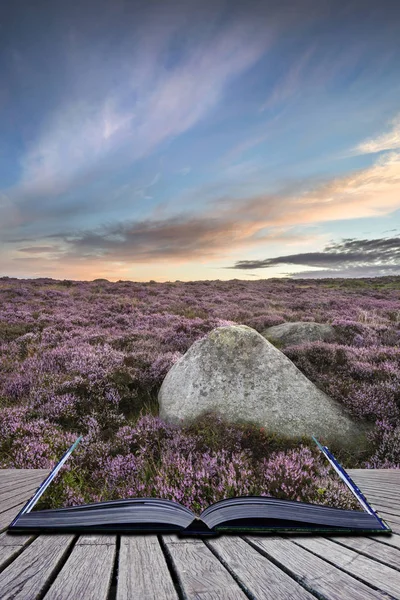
(89, 358)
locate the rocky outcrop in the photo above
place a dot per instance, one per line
(236, 372)
(288, 334)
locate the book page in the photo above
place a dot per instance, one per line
(196, 466)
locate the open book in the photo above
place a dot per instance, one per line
(243, 514)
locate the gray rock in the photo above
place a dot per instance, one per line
(288, 334)
(237, 373)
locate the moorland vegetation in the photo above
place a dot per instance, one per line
(88, 358)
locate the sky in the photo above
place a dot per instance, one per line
(197, 140)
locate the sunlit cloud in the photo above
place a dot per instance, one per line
(246, 223)
(194, 133)
(386, 141)
(374, 191)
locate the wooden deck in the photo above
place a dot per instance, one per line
(111, 567)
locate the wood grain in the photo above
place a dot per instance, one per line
(390, 540)
(200, 573)
(313, 571)
(87, 572)
(379, 505)
(143, 571)
(29, 574)
(10, 547)
(27, 488)
(22, 497)
(8, 515)
(257, 574)
(381, 576)
(369, 547)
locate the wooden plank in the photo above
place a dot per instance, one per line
(387, 502)
(389, 517)
(369, 547)
(394, 527)
(375, 483)
(376, 475)
(200, 573)
(314, 572)
(376, 574)
(395, 473)
(30, 573)
(257, 574)
(377, 505)
(10, 493)
(386, 485)
(7, 539)
(387, 540)
(143, 571)
(23, 497)
(18, 472)
(96, 539)
(382, 490)
(8, 515)
(16, 476)
(379, 488)
(389, 473)
(9, 482)
(377, 470)
(88, 570)
(9, 486)
(9, 474)
(10, 547)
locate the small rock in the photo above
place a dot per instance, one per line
(290, 334)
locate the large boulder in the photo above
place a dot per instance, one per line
(237, 373)
(288, 334)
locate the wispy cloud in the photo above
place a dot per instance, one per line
(39, 249)
(185, 170)
(386, 141)
(291, 83)
(88, 137)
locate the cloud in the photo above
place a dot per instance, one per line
(230, 224)
(39, 249)
(183, 238)
(370, 192)
(184, 170)
(290, 84)
(349, 256)
(386, 141)
(347, 272)
(141, 191)
(95, 132)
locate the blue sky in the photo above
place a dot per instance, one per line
(191, 140)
